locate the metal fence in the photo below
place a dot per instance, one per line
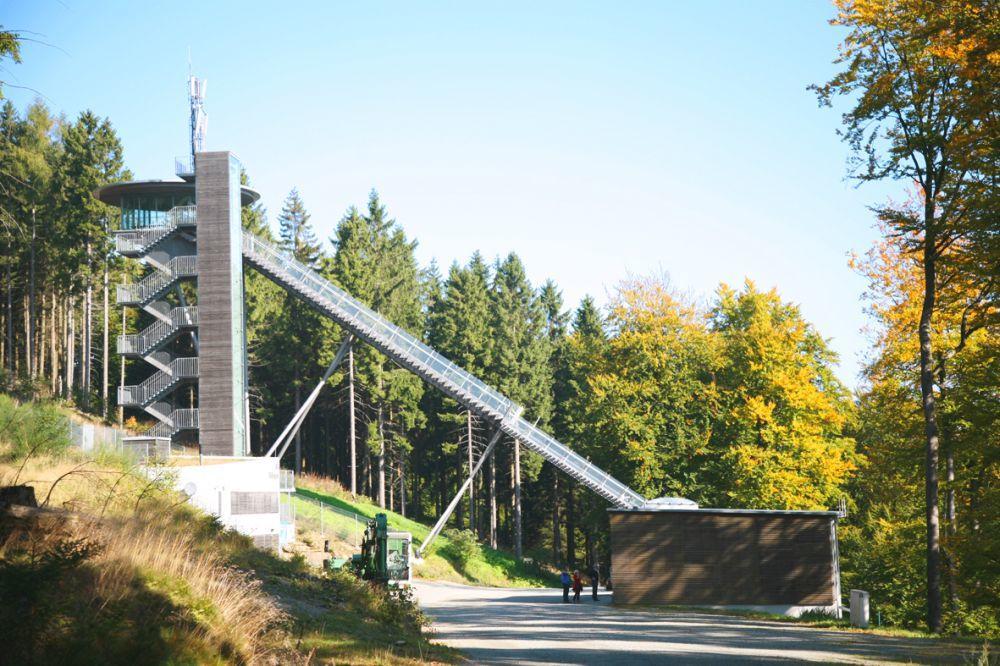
(93, 438)
(317, 520)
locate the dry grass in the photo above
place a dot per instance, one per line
(115, 567)
(155, 564)
(228, 603)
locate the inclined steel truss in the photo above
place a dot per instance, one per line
(432, 367)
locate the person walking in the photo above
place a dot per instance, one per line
(577, 586)
(565, 580)
(594, 578)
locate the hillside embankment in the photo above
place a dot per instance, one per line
(101, 564)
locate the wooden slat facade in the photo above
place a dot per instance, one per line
(222, 351)
(706, 558)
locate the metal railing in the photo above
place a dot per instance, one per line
(158, 384)
(434, 368)
(140, 344)
(148, 448)
(182, 419)
(184, 166)
(156, 282)
(135, 242)
(93, 438)
(287, 481)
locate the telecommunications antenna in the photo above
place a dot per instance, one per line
(199, 119)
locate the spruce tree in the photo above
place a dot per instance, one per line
(301, 327)
(519, 366)
(459, 328)
(375, 262)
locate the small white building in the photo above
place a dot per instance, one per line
(244, 494)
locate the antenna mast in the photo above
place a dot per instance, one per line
(199, 118)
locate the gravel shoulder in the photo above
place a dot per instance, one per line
(534, 627)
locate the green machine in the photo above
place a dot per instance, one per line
(385, 556)
(372, 563)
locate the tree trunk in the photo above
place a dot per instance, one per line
(70, 347)
(442, 486)
(88, 332)
(121, 377)
(570, 527)
(472, 486)
(27, 337)
(459, 479)
(417, 494)
(10, 320)
(54, 343)
(29, 333)
(493, 500)
(402, 488)
(392, 486)
(952, 527)
(40, 339)
(381, 457)
(517, 499)
(930, 419)
(556, 531)
(105, 356)
(367, 463)
(351, 429)
(298, 432)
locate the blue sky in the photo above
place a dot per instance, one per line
(597, 140)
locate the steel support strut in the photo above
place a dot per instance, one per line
(461, 492)
(288, 434)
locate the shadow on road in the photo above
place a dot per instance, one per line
(496, 626)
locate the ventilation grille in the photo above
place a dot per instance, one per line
(244, 503)
(266, 541)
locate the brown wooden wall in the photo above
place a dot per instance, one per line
(220, 307)
(702, 558)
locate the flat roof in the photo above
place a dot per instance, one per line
(754, 512)
(112, 194)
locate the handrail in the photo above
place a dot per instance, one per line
(151, 285)
(136, 241)
(183, 419)
(158, 383)
(430, 365)
(144, 341)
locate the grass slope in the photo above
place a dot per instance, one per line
(452, 558)
(115, 568)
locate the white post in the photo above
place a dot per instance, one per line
(460, 494)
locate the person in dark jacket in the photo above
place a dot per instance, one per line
(577, 586)
(594, 578)
(565, 580)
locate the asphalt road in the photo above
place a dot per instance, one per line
(534, 627)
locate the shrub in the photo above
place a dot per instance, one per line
(965, 621)
(462, 547)
(31, 428)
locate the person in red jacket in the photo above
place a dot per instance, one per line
(577, 586)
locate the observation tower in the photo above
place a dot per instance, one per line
(188, 235)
